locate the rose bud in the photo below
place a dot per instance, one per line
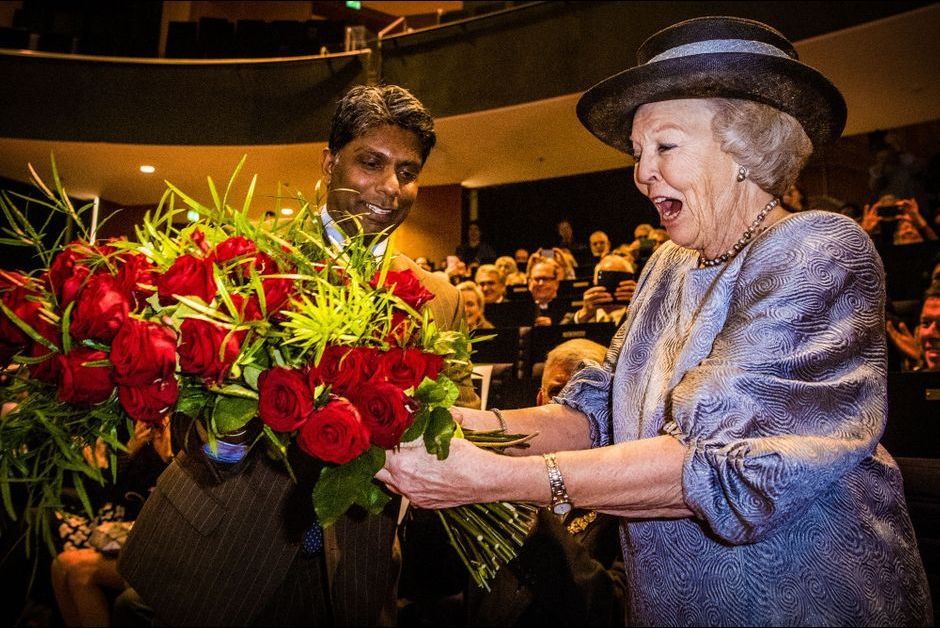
(80, 384)
(67, 275)
(405, 285)
(248, 309)
(285, 402)
(400, 328)
(149, 403)
(101, 309)
(384, 409)
(188, 276)
(137, 276)
(143, 353)
(199, 349)
(277, 294)
(334, 433)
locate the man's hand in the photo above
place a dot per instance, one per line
(905, 342)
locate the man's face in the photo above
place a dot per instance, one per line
(600, 244)
(522, 258)
(492, 286)
(373, 178)
(543, 282)
(930, 332)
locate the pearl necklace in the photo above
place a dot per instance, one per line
(704, 262)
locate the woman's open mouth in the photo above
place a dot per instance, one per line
(669, 208)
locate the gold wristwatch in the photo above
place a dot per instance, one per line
(561, 503)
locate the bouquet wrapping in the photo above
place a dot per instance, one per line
(269, 330)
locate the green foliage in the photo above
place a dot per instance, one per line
(350, 484)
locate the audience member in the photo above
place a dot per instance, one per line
(456, 270)
(85, 571)
(600, 306)
(475, 250)
(510, 271)
(544, 277)
(600, 245)
(921, 350)
(794, 199)
(424, 263)
(570, 570)
(522, 257)
(473, 306)
(491, 282)
(578, 252)
(896, 221)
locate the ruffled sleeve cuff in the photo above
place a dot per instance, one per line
(588, 392)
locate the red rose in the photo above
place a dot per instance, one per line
(12, 338)
(199, 349)
(48, 370)
(151, 402)
(143, 353)
(265, 264)
(285, 402)
(384, 409)
(277, 294)
(342, 367)
(188, 276)
(233, 247)
(335, 433)
(405, 285)
(137, 276)
(408, 367)
(249, 309)
(67, 275)
(399, 329)
(101, 309)
(80, 384)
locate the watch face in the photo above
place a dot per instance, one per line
(561, 508)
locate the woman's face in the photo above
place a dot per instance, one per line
(472, 309)
(683, 171)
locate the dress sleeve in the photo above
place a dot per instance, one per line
(588, 392)
(793, 394)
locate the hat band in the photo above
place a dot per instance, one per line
(712, 46)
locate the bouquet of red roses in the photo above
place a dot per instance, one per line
(317, 345)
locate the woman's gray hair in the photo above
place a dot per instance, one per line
(771, 144)
(366, 107)
(469, 286)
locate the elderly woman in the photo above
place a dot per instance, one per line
(473, 305)
(734, 425)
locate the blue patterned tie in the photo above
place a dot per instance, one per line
(313, 539)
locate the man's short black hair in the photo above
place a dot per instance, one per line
(366, 107)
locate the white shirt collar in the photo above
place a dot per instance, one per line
(336, 235)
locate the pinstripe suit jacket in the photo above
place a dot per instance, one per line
(211, 550)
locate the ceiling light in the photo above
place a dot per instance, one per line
(148, 169)
(286, 211)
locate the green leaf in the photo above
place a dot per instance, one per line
(5, 488)
(29, 331)
(251, 372)
(440, 431)
(442, 392)
(66, 322)
(232, 413)
(82, 494)
(191, 402)
(349, 484)
(422, 418)
(234, 390)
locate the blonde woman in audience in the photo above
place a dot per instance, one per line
(473, 306)
(510, 270)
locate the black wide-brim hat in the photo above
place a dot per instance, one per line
(715, 57)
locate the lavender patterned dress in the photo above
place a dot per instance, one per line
(770, 369)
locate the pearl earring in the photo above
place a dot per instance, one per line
(742, 174)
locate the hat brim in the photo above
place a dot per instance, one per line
(607, 109)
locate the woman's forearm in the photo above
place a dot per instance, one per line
(557, 427)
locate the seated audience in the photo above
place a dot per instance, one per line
(473, 306)
(510, 271)
(491, 282)
(921, 350)
(522, 257)
(600, 306)
(570, 570)
(424, 263)
(794, 199)
(544, 277)
(456, 270)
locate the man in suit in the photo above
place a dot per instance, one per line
(232, 545)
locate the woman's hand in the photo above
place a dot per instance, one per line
(432, 483)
